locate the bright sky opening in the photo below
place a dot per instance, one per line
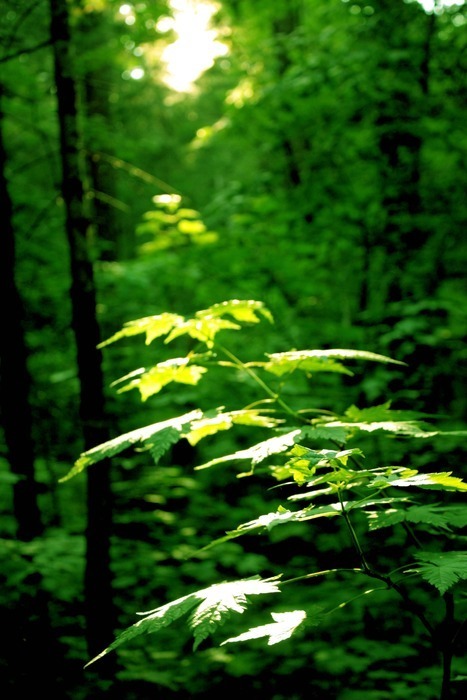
(429, 5)
(196, 45)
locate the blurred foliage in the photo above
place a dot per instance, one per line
(326, 151)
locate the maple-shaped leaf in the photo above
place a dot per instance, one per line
(152, 326)
(244, 311)
(436, 515)
(283, 627)
(148, 434)
(406, 478)
(178, 369)
(259, 452)
(320, 360)
(202, 328)
(214, 605)
(210, 425)
(220, 600)
(441, 569)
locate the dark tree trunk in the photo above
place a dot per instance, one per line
(98, 586)
(399, 127)
(97, 28)
(14, 376)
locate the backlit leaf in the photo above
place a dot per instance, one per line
(441, 481)
(248, 311)
(203, 329)
(224, 421)
(152, 326)
(220, 600)
(284, 625)
(436, 515)
(214, 605)
(258, 452)
(320, 360)
(151, 381)
(140, 436)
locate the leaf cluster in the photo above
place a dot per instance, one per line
(313, 456)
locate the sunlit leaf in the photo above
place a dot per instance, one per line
(140, 436)
(210, 425)
(441, 481)
(156, 620)
(283, 516)
(214, 605)
(320, 360)
(436, 515)
(287, 362)
(149, 382)
(248, 311)
(258, 452)
(191, 227)
(220, 600)
(152, 326)
(284, 625)
(304, 462)
(203, 329)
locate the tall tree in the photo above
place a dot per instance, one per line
(98, 584)
(14, 374)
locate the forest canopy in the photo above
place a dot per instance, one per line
(233, 271)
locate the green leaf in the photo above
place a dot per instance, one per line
(436, 515)
(224, 421)
(320, 433)
(320, 360)
(259, 452)
(203, 328)
(165, 439)
(304, 463)
(406, 478)
(442, 569)
(406, 428)
(156, 620)
(152, 326)
(217, 603)
(141, 435)
(375, 418)
(282, 516)
(286, 362)
(249, 311)
(149, 382)
(283, 627)
(380, 413)
(220, 600)
(205, 324)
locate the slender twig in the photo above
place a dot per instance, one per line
(241, 365)
(390, 584)
(353, 534)
(21, 52)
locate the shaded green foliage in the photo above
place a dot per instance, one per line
(326, 151)
(336, 482)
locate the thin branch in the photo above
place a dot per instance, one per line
(134, 171)
(29, 49)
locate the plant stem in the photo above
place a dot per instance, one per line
(259, 381)
(371, 573)
(353, 534)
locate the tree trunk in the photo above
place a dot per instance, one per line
(97, 29)
(14, 376)
(399, 126)
(98, 586)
